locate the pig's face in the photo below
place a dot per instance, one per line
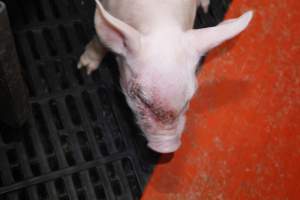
(158, 82)
(158, 71)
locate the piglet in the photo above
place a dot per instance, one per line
(157, 51)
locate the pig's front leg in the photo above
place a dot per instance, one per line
(204, 4)
(92, 56)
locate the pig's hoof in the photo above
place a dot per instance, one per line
(90, 63)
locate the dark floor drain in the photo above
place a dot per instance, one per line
(80, 142)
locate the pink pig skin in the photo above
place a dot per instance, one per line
(157, 52)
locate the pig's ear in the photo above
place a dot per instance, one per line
(115, 34)
(207, 38)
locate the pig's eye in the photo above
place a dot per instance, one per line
(134, 89)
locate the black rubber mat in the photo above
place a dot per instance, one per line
(81, 142)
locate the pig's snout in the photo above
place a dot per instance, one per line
(162, 130)
(164, 144)
(166, 140)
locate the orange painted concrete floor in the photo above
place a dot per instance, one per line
(242, 139)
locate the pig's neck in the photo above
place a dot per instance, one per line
(151, 15)
(164, 22)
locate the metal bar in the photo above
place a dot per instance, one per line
(59, 173)
(14, 104)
